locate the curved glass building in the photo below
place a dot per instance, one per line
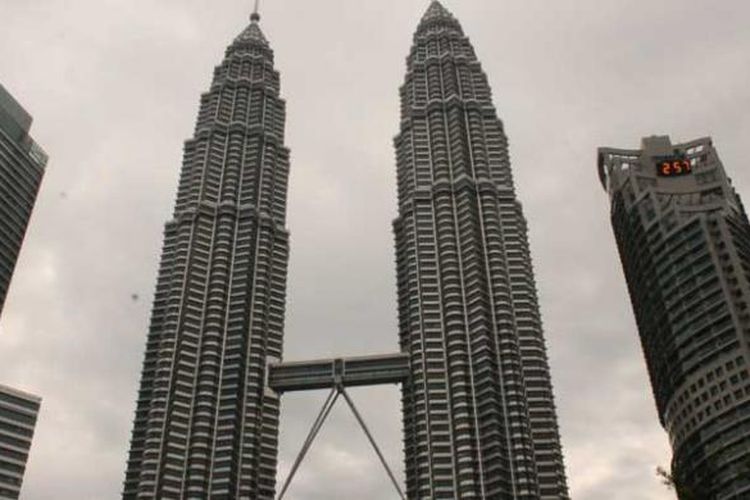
(684, 242)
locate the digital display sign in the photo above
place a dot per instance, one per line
(673, 166)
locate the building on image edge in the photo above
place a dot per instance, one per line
(684, 242)
(18, 414)
(22, 164)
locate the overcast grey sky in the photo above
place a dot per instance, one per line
(114, 87)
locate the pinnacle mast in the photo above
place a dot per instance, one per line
(255, 16)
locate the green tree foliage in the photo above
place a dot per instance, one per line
(685, 491)
(702, 488)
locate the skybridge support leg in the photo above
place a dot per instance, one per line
(322, 416)
(372, 441)
(336, 391)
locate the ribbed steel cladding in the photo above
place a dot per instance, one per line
(468, 313)
(204, 425)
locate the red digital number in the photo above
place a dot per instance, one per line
(675, 167)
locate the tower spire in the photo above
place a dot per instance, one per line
(255, 16)
(436, 9)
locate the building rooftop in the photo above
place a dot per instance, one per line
(15, 123)
(20, 394)
(14, 120)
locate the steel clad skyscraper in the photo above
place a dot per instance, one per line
(205, 424)
(479, 416)
(684, 242)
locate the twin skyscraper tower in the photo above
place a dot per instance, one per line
(478, 412)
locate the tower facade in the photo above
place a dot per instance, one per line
(18, 414)
(22, 164)
(684, 242)
(205, 424)
(479, 417)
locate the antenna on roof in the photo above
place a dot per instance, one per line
(255, 16)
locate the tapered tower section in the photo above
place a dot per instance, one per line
(205, 427)
(479, 416)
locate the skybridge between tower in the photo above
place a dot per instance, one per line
(335, 372)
